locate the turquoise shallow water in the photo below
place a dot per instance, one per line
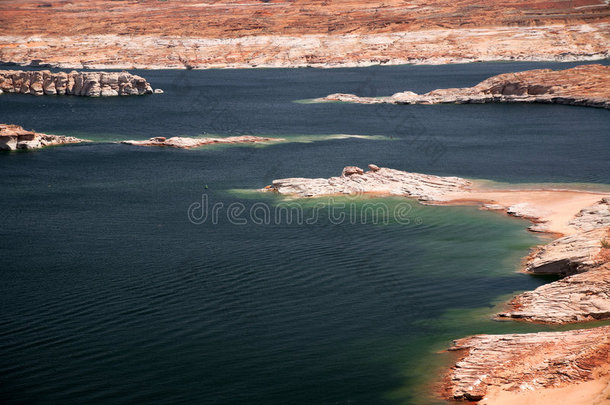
(111, 294)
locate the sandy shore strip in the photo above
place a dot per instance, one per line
(595, 392)
(551, 210)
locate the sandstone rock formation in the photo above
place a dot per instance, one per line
(246, 33)
(354, 180)
(89, 84)
(587, 85)
(569, 255)
(583, 295)
(532, 361)
(185, 143)
(14, 137)
(594, 217)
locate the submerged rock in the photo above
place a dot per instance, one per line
(87, 84)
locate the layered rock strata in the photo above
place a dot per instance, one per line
(354, 180)
(185, 143)
(13, 137)
(586, 85)
(246, 33)
(582, 258)
(528, 362)
(88, 84)
(582, 297)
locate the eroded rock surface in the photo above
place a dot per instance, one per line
(587, 85)
(568, 255)
(583, 257)
(185, 143)
(578, 298)
(517, 362)
(246, 33)
(583, 295)
(596, 216)
(355, 180)
(88, 84)
(13, 137)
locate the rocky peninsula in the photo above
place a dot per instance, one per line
(571, 367)
(13, 137)
(515, 363)
(186, 143)
(87, 84)
(586, 85)
(271, 33)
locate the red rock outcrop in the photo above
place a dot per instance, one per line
(587, 85)
(232, 18)
(14, 137)
(230, 33)
(88, 84)
(531, 361)
(185, 143)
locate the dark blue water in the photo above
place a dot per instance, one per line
(110, 294)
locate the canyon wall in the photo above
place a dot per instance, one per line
(248, 33)
(586, 85)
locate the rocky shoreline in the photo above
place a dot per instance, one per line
(528, 362)
(586, 85)
(582, 256)
(86, 84)
(13, 137)
(186, 143)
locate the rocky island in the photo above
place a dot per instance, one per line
(87, 84)
(13, 137)
(586, 85)
(191, 34)
(186, 143)
(520, 363)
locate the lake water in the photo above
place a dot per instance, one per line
(111, 293)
